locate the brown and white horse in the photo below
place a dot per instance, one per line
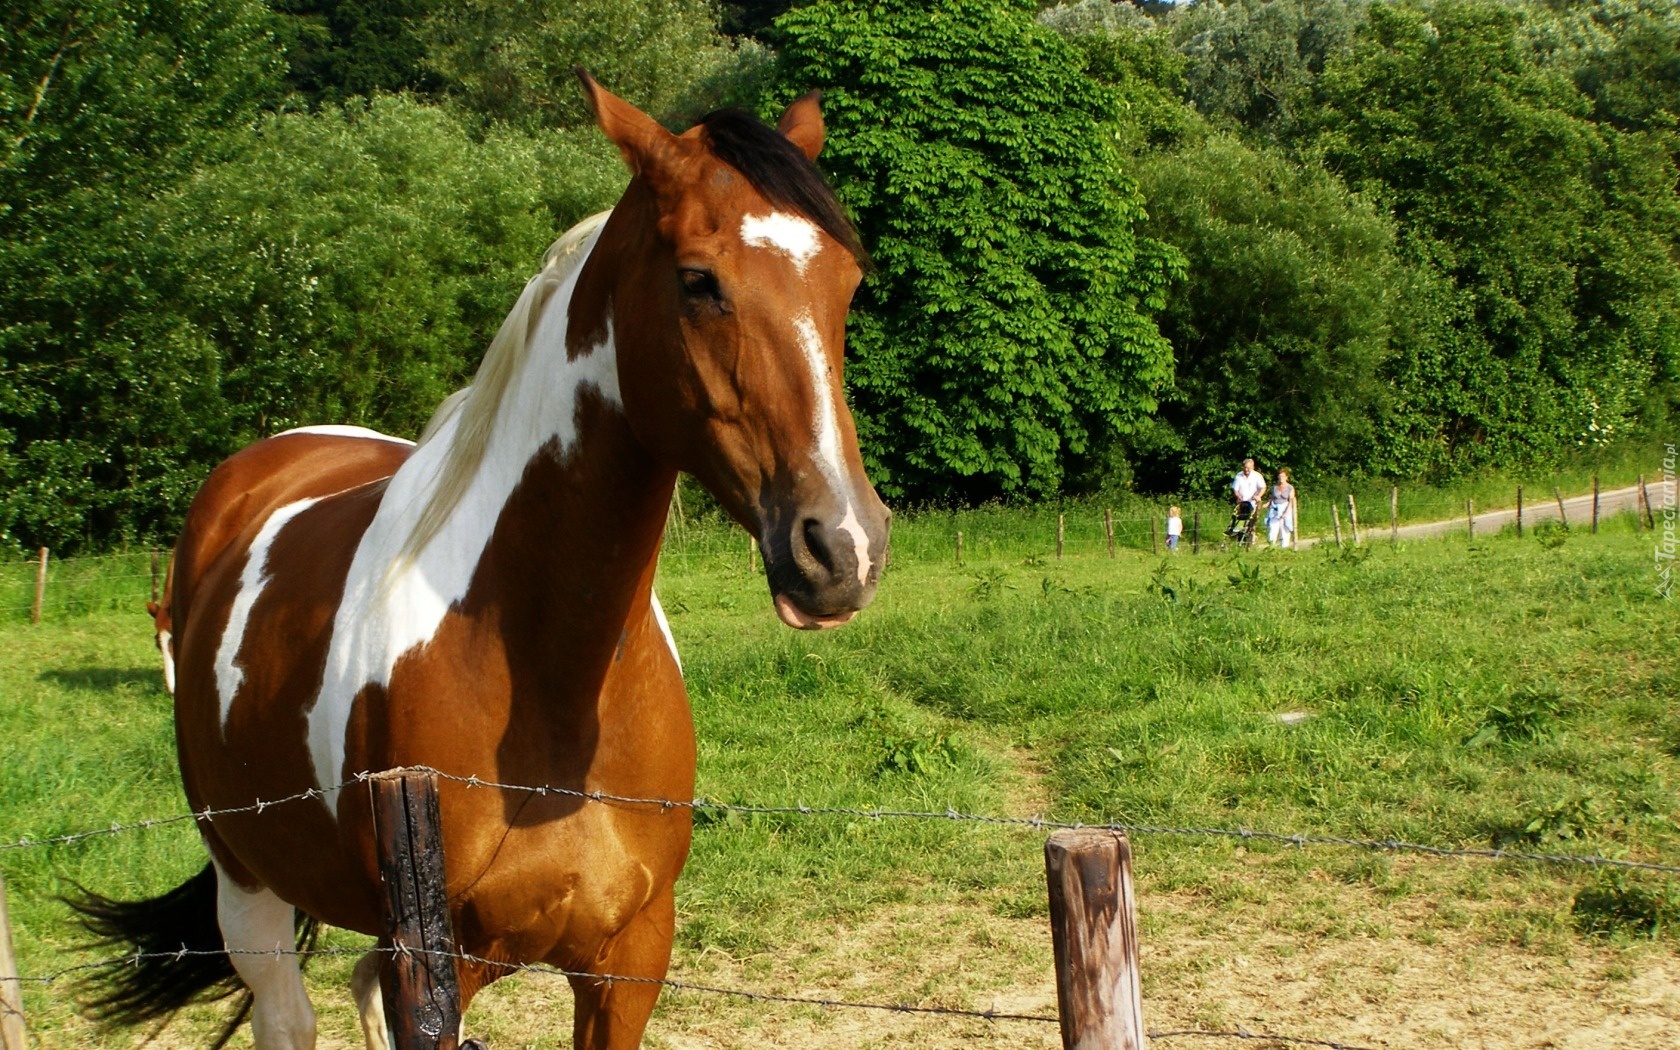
(482, 602)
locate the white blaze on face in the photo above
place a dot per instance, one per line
(789, 234)
(827, 433)
(229, 675)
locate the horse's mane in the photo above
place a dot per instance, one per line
(476, 405)
(780, 171)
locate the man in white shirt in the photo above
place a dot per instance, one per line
(1247, 487)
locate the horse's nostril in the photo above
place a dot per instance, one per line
(816, 543)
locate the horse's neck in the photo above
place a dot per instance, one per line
(558, 528)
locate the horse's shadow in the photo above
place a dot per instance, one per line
(107, 679)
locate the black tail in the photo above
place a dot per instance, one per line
(160, 982)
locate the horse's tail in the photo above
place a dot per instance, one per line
(174, 955)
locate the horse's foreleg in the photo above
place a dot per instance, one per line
(370, 1002)
(612, 1015)
(257, 928)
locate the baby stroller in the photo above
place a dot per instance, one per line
(1241, 528)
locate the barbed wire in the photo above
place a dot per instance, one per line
(675, 984)
(1300, 841)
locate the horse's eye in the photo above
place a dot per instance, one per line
(699, 284)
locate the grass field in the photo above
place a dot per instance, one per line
(1518, 693)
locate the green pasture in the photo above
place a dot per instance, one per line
(1506, 692)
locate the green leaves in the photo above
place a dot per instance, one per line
(1006, 327)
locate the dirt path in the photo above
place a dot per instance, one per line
(1577, 513)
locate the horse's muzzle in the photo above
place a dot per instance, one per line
(823, 567)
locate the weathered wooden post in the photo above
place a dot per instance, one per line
(1093, 931)
(40, 587)
(1595, 505)
(1470, 516)
(1108, 528)
(418, 979)
(1154, 541)
(12, 1033)
(959, 548)
(1519, 512)
(1650, 515)
(1353, 518)
(1061, 524)
(1336, 519)
(154, 574)
(1394, 515)
(1196, 532)
(752, 555)
(1563, 518)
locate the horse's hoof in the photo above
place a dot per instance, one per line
(474, 1044)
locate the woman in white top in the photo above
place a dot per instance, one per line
(1280, 516)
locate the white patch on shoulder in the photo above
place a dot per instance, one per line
(385, 614)
(665, 629)
(793, 236)
(338, 430)
(252, 579)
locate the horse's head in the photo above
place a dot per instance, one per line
(734, 267)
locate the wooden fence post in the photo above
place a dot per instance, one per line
(1470, 516)
(40, 588)
(1353, 519)
(1519, 512)
(1645, 494)
(752, 555)
(1108, 528)
(1336, 517)
(417, 978)
(959, 548)
(1595, 505)
(1563, 519)
(154, 574)
(1061, 523)
(1394, 515)
(1196, 532)
(1154, 542)
(1093, 931)
(12, 1033)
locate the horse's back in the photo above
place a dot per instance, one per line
(256, 481)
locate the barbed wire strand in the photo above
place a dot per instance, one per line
(1300, 841)
(675, 984)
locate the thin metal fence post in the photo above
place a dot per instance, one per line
(1093, 931)
(417, 979)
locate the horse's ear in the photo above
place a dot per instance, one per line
(638, 136)
(802, 123)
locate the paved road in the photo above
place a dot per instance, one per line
(1577, 508)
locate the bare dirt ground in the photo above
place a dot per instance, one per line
(1390, 990)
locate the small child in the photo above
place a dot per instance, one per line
(1175, 528)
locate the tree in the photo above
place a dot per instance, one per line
(512, 60)
(1552, 234)
(1006, 330)
(103, 104)
(1282, 324)
(342, 49)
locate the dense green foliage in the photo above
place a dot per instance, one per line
(1006, 328)
(1118, 245)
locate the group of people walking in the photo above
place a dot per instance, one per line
(1248, 489)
